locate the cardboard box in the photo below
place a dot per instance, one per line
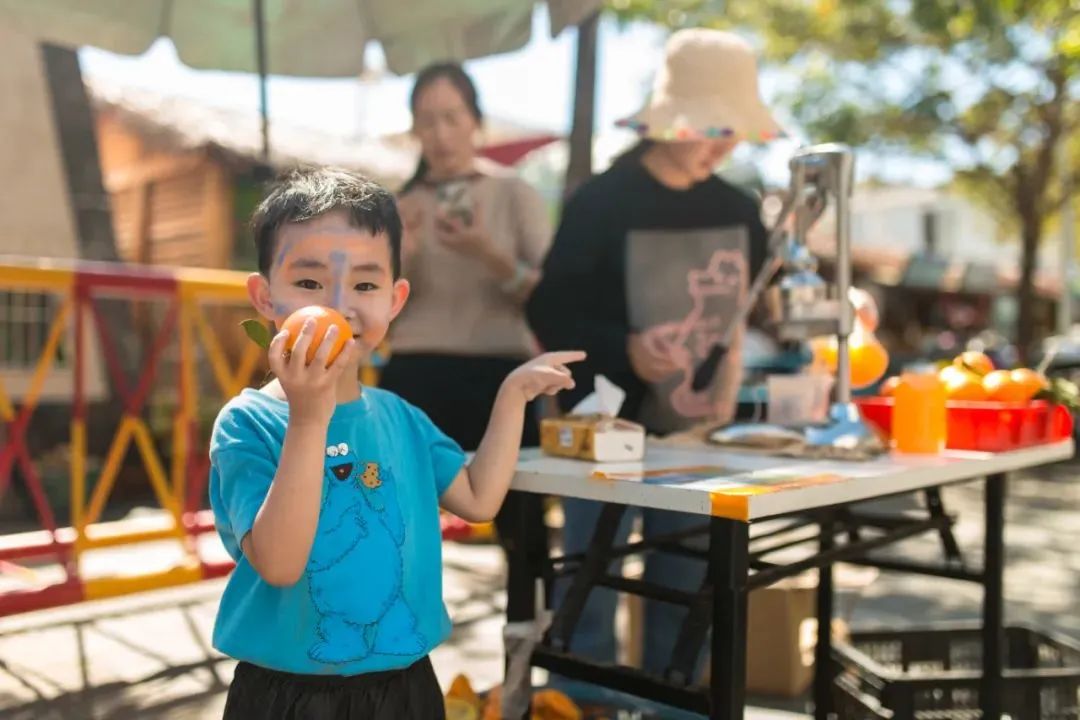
(595, 437)
(780, 639)
(781, 629)
(780, 634)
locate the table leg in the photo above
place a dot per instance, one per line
(523, 536)
(593, 567)
(948, 541)
(728, 569)
(823, 679)
(520, 537)
(993, 598)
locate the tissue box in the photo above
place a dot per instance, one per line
(600, 438)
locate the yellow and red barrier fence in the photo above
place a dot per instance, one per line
(208, 369)
(178, 489)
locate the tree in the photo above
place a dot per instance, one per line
(579, 167)
(988, 86)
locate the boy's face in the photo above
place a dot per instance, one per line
(326, 261)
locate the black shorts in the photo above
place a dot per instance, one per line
(409, 694)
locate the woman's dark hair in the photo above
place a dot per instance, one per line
(453, 73)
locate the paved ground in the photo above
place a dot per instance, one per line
(148, 656)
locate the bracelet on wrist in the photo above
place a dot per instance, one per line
(517, 281)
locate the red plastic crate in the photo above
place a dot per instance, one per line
(985, 426)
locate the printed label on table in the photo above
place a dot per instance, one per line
(667, 476)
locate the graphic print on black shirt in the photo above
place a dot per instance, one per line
(622, 261)
(682, 290)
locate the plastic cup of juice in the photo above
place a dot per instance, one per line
(918, 423)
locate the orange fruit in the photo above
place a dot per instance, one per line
(1000, 387)
(888, 388)
(324, 318)
(975, 362)
(824, 352)
(1028, 382)
(462, 689)
(493, 706)
(553, 705)
(459, 709)
(1019, 385)
(866, 312)
(961, 384)
(868, 358)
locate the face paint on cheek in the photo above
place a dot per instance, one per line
(338, 267)
(281, 309)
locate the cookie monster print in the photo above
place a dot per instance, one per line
(355, 570)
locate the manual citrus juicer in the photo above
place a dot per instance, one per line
(801, 305)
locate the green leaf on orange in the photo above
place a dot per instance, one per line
(257, 332)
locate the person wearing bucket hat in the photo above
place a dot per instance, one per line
(707, 88)
(649, 262)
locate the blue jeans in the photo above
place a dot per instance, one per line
(594, 635)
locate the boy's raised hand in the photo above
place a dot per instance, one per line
(311, 389)
(546, 374)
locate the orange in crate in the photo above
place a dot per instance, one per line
(960, 384)
(1013, 386)
(1029, 382)
(976, 362)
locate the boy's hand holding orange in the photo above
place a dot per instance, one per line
(308, 356)
(324, 319)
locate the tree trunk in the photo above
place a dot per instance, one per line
(78, 147)
(1031, 231)
(579, 167)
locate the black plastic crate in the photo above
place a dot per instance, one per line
(934, 674)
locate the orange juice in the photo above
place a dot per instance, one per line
(918, 423)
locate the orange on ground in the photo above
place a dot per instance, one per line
(461, 688)
(493, 706)
(553, 705)
(324, 318)
(458, 709)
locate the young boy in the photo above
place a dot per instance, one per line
(326, 493)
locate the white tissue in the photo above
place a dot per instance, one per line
(606, 399)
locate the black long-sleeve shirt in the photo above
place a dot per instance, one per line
(632, 255)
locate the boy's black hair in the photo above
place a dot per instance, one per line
(308, 193)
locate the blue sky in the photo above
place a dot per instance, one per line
(531, 87)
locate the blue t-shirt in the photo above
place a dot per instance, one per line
(371, 595)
